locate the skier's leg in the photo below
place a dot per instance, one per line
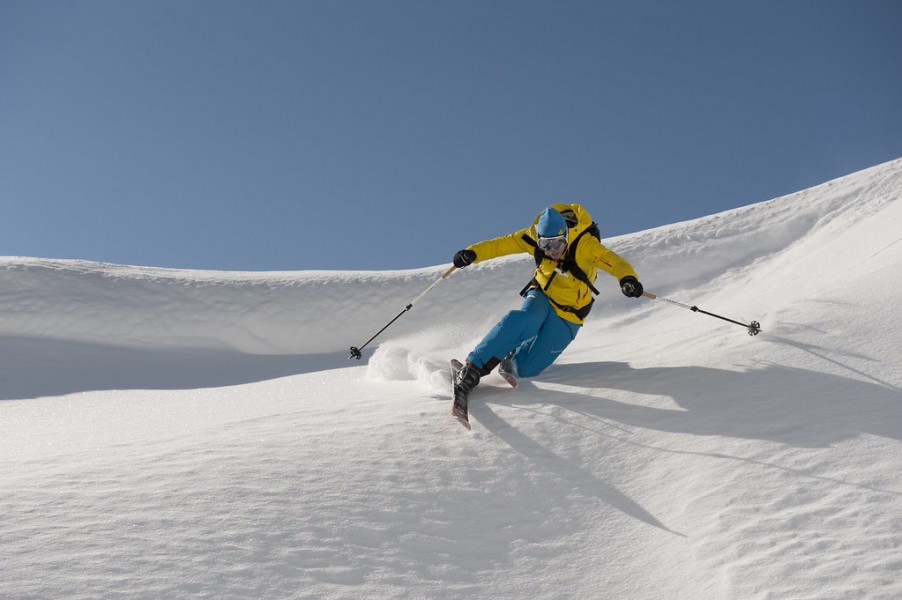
(535, 355)
(511, 331)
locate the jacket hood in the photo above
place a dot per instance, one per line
(575, 217)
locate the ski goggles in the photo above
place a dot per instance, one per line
(552, 245)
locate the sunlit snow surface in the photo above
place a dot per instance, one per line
(174, 434)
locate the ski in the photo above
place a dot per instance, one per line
(510, 378)
(506, 370)
(459, 407)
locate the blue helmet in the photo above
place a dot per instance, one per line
(551, 224)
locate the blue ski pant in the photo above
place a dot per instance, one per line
(534, 330)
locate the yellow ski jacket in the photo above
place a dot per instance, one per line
(570, 297)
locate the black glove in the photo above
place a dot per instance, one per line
(464, 258)
(631, 287)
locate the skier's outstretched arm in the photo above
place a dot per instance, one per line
(500, 246)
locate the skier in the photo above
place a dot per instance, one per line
(568, 252)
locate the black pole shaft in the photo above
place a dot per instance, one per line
(355, 351)
(710, 314)
(384, 328)
(754, 328)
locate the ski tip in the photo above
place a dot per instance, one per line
(462, 417)
(463, 421)
(510, 379)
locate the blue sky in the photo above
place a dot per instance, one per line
(340, 134)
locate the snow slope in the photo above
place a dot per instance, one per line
(192, 434)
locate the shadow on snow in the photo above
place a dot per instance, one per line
(774, 403)
(34, 368)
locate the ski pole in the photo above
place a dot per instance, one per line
(754, 328)
(355, 351)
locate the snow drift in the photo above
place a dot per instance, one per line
(194, 434)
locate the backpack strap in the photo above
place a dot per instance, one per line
(536, 253)
(582, 313)
(567, 265)
(569, 262)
